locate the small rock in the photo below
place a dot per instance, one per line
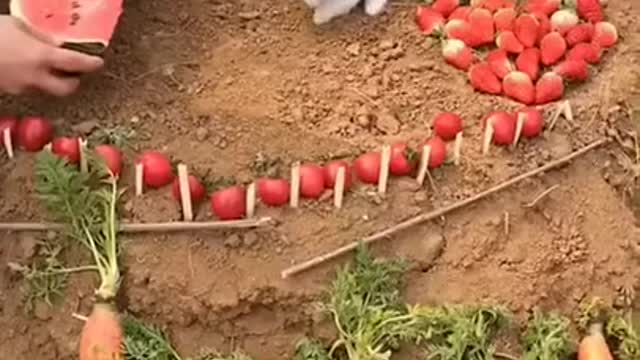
(134, 119)
(202, 133)
(353, 49)
(85, 127)
(29, 246)
(249, 15)
(41, 311)
(51, 235)
(386, 45)
(250, 239)
(388, 124)
(233, 241)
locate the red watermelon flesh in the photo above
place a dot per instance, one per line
(78, 23)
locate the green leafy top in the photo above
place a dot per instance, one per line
(143, 342)
(87, 204)
(626, 337)
(547, 338)
(307, 349)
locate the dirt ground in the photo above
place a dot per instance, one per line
(213, 82)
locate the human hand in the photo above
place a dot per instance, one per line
(33, 61)
(326, 10)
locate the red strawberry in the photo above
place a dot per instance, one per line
(544, 25)
(529, 62)
(518, 86)
(458, 54)
(564, 20)
(508, 42)
(590, 10)
(482, 31)
(549, 88)
(546, 7)
(461, 13)
(552, 48)
(445, 7)
(573, 70)
(526, 29)
(499, 63)
(458, 29)
(491, 5)
(504, 19)
(484, 80)
(428, 20)
(533, 122)
(579, 33)
(584, 51)
(605, 34)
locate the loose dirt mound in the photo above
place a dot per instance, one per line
(215, 82)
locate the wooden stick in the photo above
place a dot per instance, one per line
(6, 140)
(82, 147)
(383, 177)
(139, 176)
(185, 193)
(457, 149)
(540, 197)
(294, 192)
(519, 124)
(150, 227)
(338, 188)
(436, 213)
(424, 164)
(488, 137)
(251, 200)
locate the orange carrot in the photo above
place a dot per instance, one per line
(594, 346)
(101, 337)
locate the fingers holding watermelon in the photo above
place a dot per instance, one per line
(33, 62)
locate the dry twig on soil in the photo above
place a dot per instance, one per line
(438, 212)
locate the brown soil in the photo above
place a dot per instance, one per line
(214, 82)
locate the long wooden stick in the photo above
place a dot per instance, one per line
(150, 227)
(436, 213)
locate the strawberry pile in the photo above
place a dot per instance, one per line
(526, 52)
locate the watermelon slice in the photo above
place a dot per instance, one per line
(83, 25)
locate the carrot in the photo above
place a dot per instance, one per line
(101, 337)
(594, 346)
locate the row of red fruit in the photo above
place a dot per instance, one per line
(34, 133)
(540, 34)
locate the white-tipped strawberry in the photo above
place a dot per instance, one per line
(458, 29)
(457, 53)
(518, 86)
(564, 20)
(428, 20)
(605, 34)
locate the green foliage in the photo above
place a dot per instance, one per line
(143, 342)
(626, 337)
(547, 338)
(307, 349)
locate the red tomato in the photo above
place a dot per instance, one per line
(9, 122)
(156, 169)
(331, 171)
(273, 192)
(504, 127)
(403, 159)
(447, 125)
(311, 181)
(438, 153)
(112, 158)
(196, 189)
(367, 167)
(34, 133)
(532, 126)
(67, 148)
(229, 203)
